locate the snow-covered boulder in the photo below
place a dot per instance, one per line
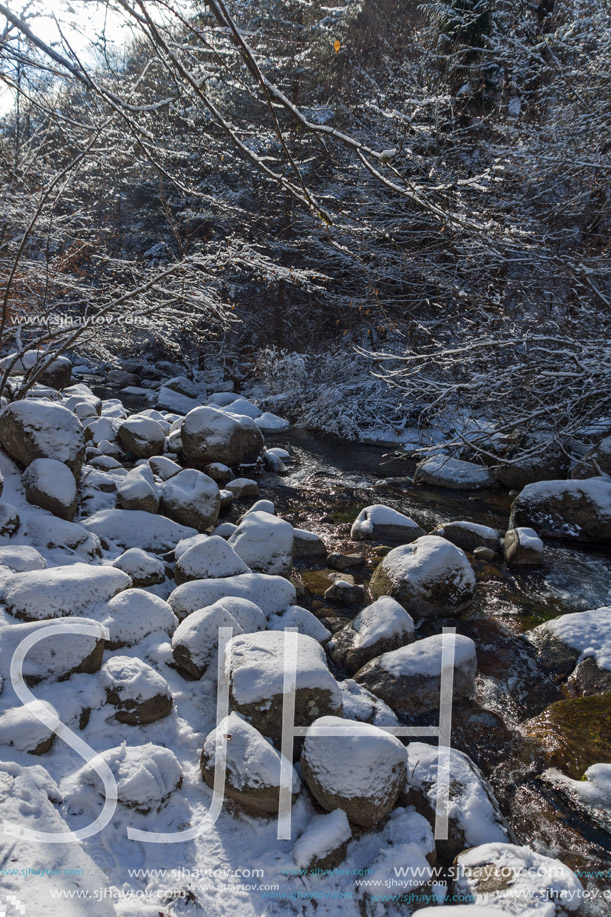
(137, 529)
(474, 816)
(222, 399)
(443, 471)
(360, 704)
(139, 694)
(50, 484)
(55, 656)
(517, 880)
(78, 393)
(146, 776)
(171, 400)
(242, 487)
(225, 529)
(219, 472)
(244, 407)
(308, 545)
(210, 434)
(522, 547)
(30, 797)
(430, 576)
(143, 568)
(271, 593)
(265, 543)
(305, 622)
(71, 590)
(141, 436)
(409, 679)
(274, 463)
(22, 730)
(360, 770)
(71, 537)
(382, 524)
(31, 430)
(261, 506)
(163, 467)
(577, 645)
(191, 498)
(139, 491)
(468, 535)
(271, 423)
(21, 558)
(324, 842)
(196, 640)
(252, 775)
(572, 510)
(133, 614)
(98, 429)
(254, 665)
(212, 558)
(379, 628)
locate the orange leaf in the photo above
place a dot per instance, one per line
(336, 45)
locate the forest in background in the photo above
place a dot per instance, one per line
(383, 213)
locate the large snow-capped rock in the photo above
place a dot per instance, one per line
(382, 524)
(522, 547)
(61, 591)
(265, 543)
(56, 655)
(252, 775)
(38, 429)
(138, 490)
(474, 816)
(144, 569)
(360, 770)
(133, 614)
(137, 529)
(305, 622)
(195, 642)
(139, 694)
(571, 510)
(21, 558)
(430, 576)
(324, 842)
(212, 558)
(191, 498)
(210, 434)
(171, 400)
(409, 679)
(22, 730)
(443, 471)
(577, 645)
(29, 798)
(360, 704)
(517, 880)
(71, 537)
(244, 407)
(51, 485)
(379, 628)
(271, 593)
(141, 436)
(254, 665)
(146, 776)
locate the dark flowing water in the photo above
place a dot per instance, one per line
(327, 485)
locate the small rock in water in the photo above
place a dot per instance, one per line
(243, 487)
(485, 553)
(443, 471)
(522, 547)
(379, 522)
(469, 536)
(344, 561)
(308, 545)
(344, 593)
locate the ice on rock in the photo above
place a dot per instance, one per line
(146, 776)
(382, 523)
(360, 769)
(265, 543)
(208, 559)
(253, 766)
(61, 591)
(271, 593)
(137, 529)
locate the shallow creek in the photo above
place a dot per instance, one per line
(327, 485)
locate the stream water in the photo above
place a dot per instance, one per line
(326, 486)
